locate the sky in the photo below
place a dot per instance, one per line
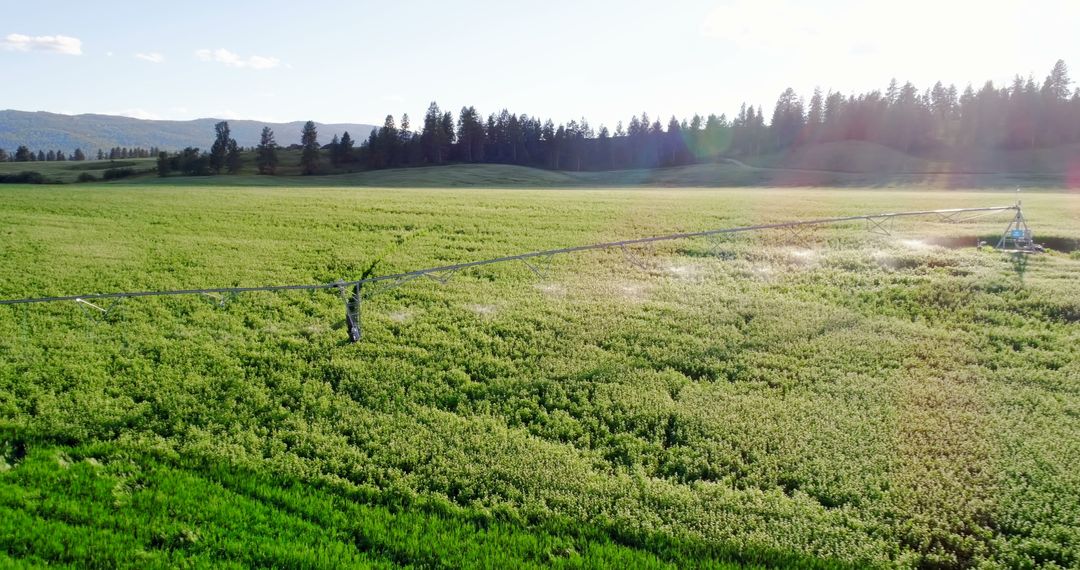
(357, 61)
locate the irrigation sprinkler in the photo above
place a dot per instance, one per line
(1017, 237)
(352, 312)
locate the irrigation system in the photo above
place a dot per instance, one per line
(1017, 237)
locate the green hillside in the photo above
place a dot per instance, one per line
(67, 172)
(855, 164)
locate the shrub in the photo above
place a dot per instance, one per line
(25, 177)
(86, 177)
(117, 173)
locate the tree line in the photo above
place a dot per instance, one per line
(1022, 115)
(24, 154)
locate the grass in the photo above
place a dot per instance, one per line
(855, 399)
(98, 506)
(847, 164)
(68, 171)
(711, 175)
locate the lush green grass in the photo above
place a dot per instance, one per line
(719, 175)
(860, 399)
(68, 171)
(102, 507)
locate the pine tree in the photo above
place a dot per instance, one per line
(815, 116)
(1057, 83)
(22, 154)
(434, 136)
(446, 129)
(673, 142)
(470, 134)
(266, 158)
(220, 149)
(309, 154)
(233, 160)
(345, 149)
(388, 142)
(605, 150)
(335, 150)
(163, 164)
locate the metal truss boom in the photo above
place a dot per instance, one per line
(444, 272)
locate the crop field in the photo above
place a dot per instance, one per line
(844, 400)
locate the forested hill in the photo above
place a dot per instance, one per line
(91, 132)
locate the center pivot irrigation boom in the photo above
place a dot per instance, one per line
(537, 260)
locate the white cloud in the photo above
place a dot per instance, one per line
(52, 44)
(222, 55)
(152, 57)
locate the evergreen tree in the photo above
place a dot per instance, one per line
(192, 162)
(606, 157)
(470, 134)
(515, 138)
(435, 137)
(787, 120)
(163, 164)
(815, 116)
(219, 151)
(345, 149)
(22, 154)
(233, 160)
(387, 144)
(673, 143)
(335, 149)
(79, 156)
(1057, 83)
(405, 141)
(266, 158)
(309, 153)
(370, 147)
(446, 128)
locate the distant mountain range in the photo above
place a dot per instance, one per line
(52, 131)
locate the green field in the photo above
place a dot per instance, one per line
(849, 164)
(851, 400)
(68, 171)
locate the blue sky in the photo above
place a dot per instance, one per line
(339, 61)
